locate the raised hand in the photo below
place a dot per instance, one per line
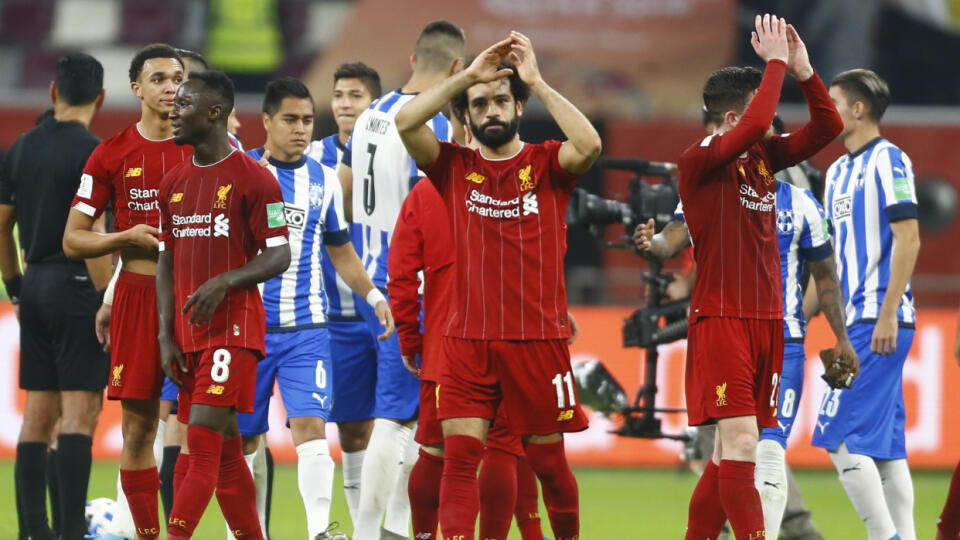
(486, 66)
(522, 56)
(769, 40)
(798, 61)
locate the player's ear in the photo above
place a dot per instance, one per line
(215, 111)
(519, 106)
(730, 118)
(100, 98)
(135, 87)
(266, 121)
(457, 65)
(413, 61)
(53, 92)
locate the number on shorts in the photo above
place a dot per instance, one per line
(321, 376)
(220, 371)
(559, 381)
(776, 390)
(830, 403)
(789, 402)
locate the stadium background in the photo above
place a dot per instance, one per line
(635, 66)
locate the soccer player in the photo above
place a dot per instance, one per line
(124, 172)
(872, 206)
(385, 173)
(223, 207)
(298, 346)
(355, 86)
(62, 367)
(505, 341)
(735, 343)
(803, 240)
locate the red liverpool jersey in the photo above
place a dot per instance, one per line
(421, 241)
(126, 170)
(507, 218)
(214, 219)
(727, 181)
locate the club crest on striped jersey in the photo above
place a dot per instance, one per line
(316, 197)
(526, 178)
(476, 177)
(785, 221)
(222, 192)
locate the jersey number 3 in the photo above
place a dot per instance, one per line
(369, 192)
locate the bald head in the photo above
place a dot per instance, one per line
(441, 43)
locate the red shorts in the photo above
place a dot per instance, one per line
(221, 377)
(135, 371)
(430, 432)
(530, 380)
(733, 369)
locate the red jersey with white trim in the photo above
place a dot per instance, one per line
(727, 181)
(507, 218)
(421, 242)
(214, 219)
(126, 170)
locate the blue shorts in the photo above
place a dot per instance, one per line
(791, 388)
(397, 390)
(870, 417)
(170, 391)
(299, 362)
(354, 365)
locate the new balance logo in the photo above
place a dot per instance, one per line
(134, 171)
(221, 225)
(530, 204)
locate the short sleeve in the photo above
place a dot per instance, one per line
(560, 176)
(7, 188)
(265, 212)
(895, 183)
(815, 236)
(439, 171)
(96, 185)
(335, 230)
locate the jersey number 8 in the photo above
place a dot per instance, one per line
(220, 371)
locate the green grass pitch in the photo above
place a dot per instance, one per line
(614, 503)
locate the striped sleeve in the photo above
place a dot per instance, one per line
(335, 229)
(815, 236)
(896, 184)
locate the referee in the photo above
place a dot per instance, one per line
(62, 367)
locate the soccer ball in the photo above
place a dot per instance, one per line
(99, 514)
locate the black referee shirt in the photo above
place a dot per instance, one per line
(40, 177)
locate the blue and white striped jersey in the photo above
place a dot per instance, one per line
(313, 205)
(341, 300)
(383, 173)
(803, 237)
(865, 192)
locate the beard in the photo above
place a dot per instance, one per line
(498, 138)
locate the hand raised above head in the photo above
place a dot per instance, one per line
(769, 40)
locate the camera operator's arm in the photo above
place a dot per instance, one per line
(663, 245)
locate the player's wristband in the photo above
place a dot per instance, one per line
(374, 297)
(13, 286)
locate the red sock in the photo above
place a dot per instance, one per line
(459, 492)
(560, 495)
(949, 524)
(740, 499)
(424, 492)
(180, 472)
(706, 517)
(236, 492)
(498, 493)
(197, 486)
(140, 487)
(527, 509)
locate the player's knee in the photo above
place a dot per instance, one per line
(37, 428)
(138, 435)
(307, 428)
(82, 421)
(744, 447)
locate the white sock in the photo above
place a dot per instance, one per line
(397, 518)
(259, 471)
(249, 459)
(771, 482)
(122, 522)
(381, 466)
(315, 478)
(861, 480)
(352, 467)
(158, 443)
(898, 492)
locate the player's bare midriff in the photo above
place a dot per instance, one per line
(139, 260)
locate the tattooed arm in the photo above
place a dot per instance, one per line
(830, 295)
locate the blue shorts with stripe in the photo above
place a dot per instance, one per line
(170, 391)
(299, 362)
(354, 365)
(791, 388)
(397, 390)
(870, 417)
